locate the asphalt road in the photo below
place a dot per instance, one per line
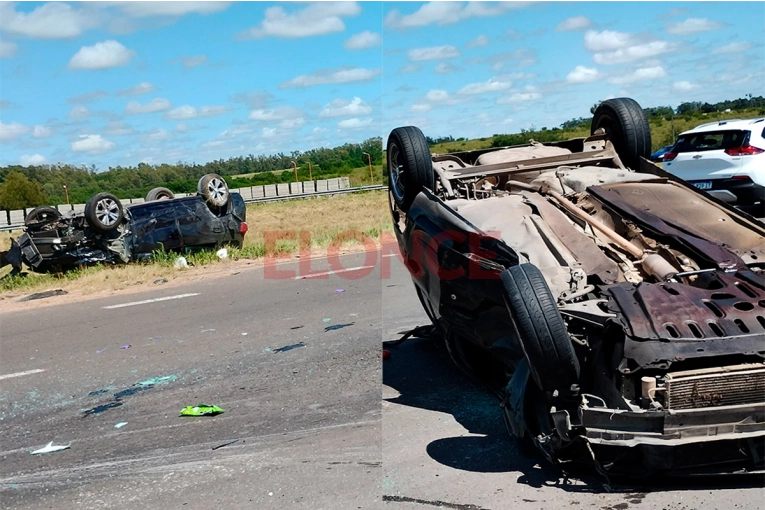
(445, 443)
(307, 419)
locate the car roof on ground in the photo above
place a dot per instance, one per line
(727, 124)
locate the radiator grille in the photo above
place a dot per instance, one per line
(741, 384)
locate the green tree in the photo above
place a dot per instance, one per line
(18, 192)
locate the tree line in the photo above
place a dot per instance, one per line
(34, 185)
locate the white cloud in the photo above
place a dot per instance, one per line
(582, 74)
(492, 85)
(78, 112)
(119, 128)
(343, 108)
(354, 123)
(174, 9)
(35, 159)
(12, 131)
(158, 104)
(142, 88)
(52, 20)
(693, 26)
(92, 144)
(448, 13)
(88, 98)
(316, 19)
(733, 47)
(519, 58)
(185, 112)
(632, 53)
(332, 76)
(363, 41)
(7, 49)
(40, 131)
(101, 55)
(193, 61)
(437, 95)
(528, 93)
(684, 86)
(444, 68)
(292, 123)
(409, 68)
(281, 113)
(157, 135)
(433, 53)
(575, 23)
(642, 74)
(269, 132)
(479, 41)
(420, 107)
(607, 40)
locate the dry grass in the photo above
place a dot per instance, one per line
(322, 218)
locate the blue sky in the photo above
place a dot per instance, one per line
(119, 83)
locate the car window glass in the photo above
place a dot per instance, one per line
(711, 140)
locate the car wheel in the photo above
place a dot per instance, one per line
(410, 168)
(41, 214)
(540, 327)
(159, 194)
(627, 127)
(103, 212)
(214, 190)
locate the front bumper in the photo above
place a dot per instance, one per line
(712, 440)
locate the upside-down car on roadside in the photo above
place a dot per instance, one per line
(621, 309)
(107, 233)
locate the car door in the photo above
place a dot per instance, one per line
(155, 227)
(702, 157)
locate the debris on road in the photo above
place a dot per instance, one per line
(126, 346)
(157, 380)
(181, 263)
(222, 253)
(225, 444)
(326, 319)
(42, 295)
(101, 351)
(289, 347)
(100, 392)
(120, 425)
(339, 290)
(297, 327)
(50, 448)
(130, 391)
(101, 408)
(160, 280)
(244, 334)
(207, 330)
(201, 410)
(333, 327)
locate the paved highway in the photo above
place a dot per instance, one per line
(307, 418)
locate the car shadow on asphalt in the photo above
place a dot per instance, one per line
(425, 377)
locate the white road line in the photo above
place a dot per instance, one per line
(147, 301)
(324, 273)
(19, 374)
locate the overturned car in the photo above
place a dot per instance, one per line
(108, 233)
(620, 309)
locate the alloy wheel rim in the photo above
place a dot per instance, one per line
(396, 173)
(107, 211)
(217, 190)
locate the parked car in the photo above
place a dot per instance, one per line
(658, 156)
(620, 309)
(109, 233)
(725, 159)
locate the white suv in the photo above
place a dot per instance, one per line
(725, 158)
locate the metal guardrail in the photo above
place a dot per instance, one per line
(375, 187)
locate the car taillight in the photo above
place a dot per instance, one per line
(243, 227)
(670, 156)
(744, 150)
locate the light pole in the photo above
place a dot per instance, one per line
(66, 192)
(369, 158)
(310, 172)
(295, 166)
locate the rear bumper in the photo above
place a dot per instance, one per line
(741, 192)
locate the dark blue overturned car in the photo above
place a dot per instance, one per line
(108, 233)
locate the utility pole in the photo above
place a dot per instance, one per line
(295, 166)
(66, 192)
(369, 158)
(310, 172)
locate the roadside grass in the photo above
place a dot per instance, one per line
(321, 219)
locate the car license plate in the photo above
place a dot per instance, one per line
(703, 184)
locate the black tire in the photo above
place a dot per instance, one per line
(213, 189)
(627, 127)
(159, 194)
(41, 214)
(104, 212)
(540, 327)
(410, 168)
